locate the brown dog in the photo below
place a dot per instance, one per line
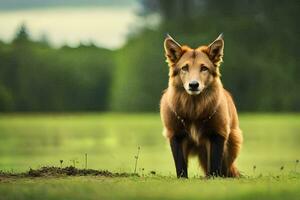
(198, 114)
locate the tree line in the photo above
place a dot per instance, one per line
(261, 64)
(36, 77)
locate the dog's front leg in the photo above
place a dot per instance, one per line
(176, 143)
(216, 154)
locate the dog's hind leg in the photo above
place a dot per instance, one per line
(233, 148)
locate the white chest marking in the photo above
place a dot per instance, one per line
(195, 133)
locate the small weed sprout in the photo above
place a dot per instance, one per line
(153, 172)
(281, 169)
(296, 165)
(136, 158)
(142, 169)
(74, 161)
(61, 163)
(254, 168)
(86, 161)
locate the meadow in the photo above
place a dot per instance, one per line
(268, 159)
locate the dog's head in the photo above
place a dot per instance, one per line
(193, 69)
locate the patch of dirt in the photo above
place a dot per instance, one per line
(66, 171)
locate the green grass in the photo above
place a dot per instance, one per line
(151, 188)
(111, 142)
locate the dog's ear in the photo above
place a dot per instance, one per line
(215, 50)
(173, 50)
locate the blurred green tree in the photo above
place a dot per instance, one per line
(22, 34)
(36, 77)
(260, 64)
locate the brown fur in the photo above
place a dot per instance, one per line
(196, 109)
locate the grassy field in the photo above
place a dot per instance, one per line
(111, 142)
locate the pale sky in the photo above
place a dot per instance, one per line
(105, 26)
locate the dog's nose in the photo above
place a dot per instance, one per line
(193, 85)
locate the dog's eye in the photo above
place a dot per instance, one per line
(203, 68)
(185, 68)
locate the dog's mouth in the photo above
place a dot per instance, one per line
(193, 91)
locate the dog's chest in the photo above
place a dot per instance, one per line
(196, 133)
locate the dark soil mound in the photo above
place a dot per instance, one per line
(66, 171)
